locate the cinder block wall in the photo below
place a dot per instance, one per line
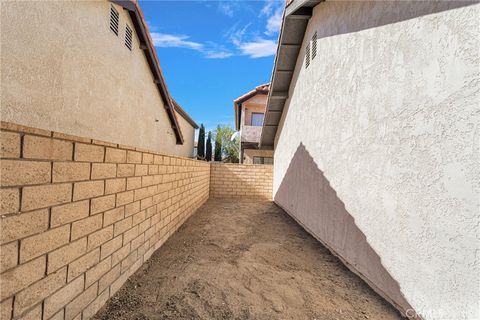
(231, 180)
(80, 216)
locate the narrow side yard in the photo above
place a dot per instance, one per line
(244, 260)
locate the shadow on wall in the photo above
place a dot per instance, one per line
(307, 196)
(388, 12)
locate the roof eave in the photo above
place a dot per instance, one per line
(294, 23)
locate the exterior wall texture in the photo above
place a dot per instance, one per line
(389, 113)
(63, 69)
(79, 216)
(188, 131)
(229, 180)
(256, 103)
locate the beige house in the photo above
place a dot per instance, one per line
(373, 113)
(249, 115)
(90, 70)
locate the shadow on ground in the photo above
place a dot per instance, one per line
(244, 260)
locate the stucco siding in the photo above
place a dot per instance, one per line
(387, 116)
(63, 69)
(188, 131)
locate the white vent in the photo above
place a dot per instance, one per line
(307, 55)
(114, 19)
(314, 45)
(128, 37)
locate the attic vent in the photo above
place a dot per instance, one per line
(314, 45)
(114, 18)
(307, 56)
(128, 37)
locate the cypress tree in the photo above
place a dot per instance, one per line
(201, 143)
(208, 154)
(218, 145)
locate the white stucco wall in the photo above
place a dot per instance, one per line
(63, 69)
(390, 112)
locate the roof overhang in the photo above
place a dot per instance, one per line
(146, 44)
(294, 23)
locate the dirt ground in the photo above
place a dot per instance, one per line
(244, 260)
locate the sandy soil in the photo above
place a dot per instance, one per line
(244, 260)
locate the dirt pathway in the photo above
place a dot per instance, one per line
(244, 260)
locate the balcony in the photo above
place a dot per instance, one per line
(251, 133)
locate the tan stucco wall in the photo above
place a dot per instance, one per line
(248, 154)
(255, 104)
(188, 131)
(62, 69)
(386, 159)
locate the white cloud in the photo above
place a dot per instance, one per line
(258, 48)
(163, 40)
(273, 11)
(268, 7)
(218, 54)
(247, 43)
(274, 22)
(226, 8)
(235, 35)
(209, 50)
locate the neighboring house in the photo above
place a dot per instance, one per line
(373, 112)
(249, 114)
(90, 70)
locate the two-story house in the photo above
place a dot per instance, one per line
(249, 114)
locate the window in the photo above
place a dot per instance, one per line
(128, 37)
(262, 160)
(257, 119)
(114, 19)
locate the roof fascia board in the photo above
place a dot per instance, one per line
(294, 6)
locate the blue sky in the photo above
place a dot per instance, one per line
(212, 52)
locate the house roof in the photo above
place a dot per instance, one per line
(146, 44)
(294, 23)
(237, 103)
(184, 114)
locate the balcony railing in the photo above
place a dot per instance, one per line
(251, 133)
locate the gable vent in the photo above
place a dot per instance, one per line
(307, 55)
(128, 37)
(114, 19)
(314, 45)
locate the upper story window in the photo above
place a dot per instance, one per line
(257, 119)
